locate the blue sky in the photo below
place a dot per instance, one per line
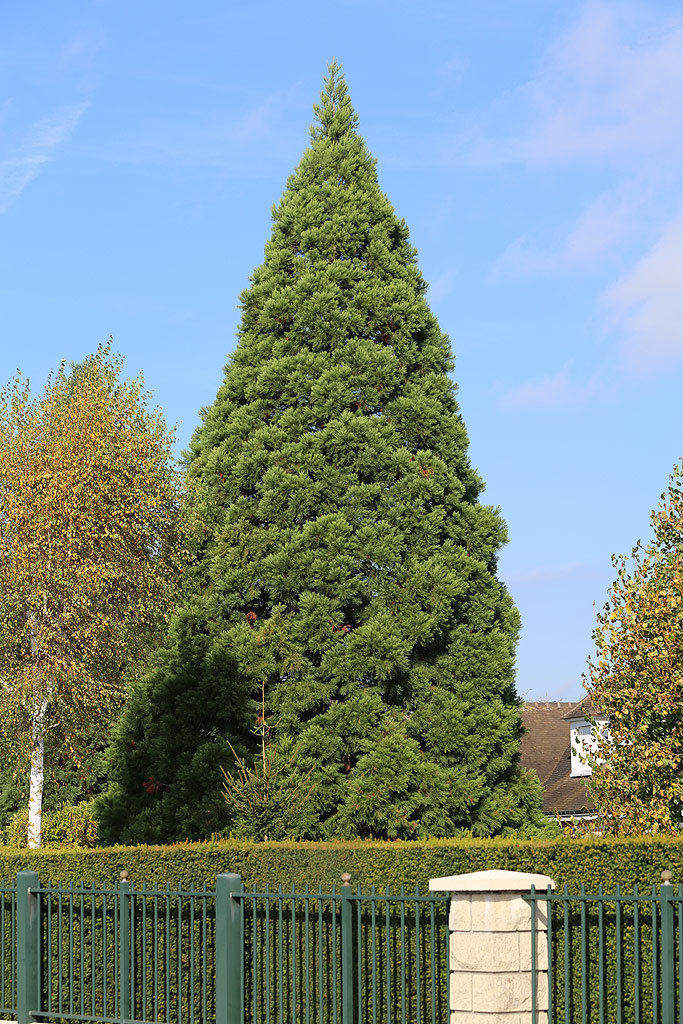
(534, 149)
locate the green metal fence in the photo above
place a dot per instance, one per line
(345, 957)
(8, 945)
(611, 958)
(137, 956)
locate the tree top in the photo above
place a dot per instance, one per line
(335, 114)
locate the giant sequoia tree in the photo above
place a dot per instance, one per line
(349, 636)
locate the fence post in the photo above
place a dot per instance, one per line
(498, 966)
(28, 932)
(124, 947)
(346, 949)
(229, 950)
(668, 951)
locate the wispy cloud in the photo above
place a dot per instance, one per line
(442, 287)
(81, 49)
(646, 303)
(37, 149)
(602, 225)
(611, 85)
(555, 391)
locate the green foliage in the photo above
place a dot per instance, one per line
(593, 862)
(68, 826)
(610, 862)
(347, 566)
(91, 545)
(636, 680)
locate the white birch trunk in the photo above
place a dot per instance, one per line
(35, 797)
(38, 714)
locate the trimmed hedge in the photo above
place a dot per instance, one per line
(591, 861)
(574, 862)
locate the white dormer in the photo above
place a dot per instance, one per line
(583, 737)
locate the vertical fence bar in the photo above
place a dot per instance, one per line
(584, 959)
(668, 963)
(294, 1015)
(655, 965)
(566, 953)
(680, 951)
(636, 955)
(71, 947)
(549, 942)
(534, 956)
(179, 952)
(601, 957)
(346, 950)
(373, 922)
(359, 953)
(307, 954)
(320, 954)
(229, 955)
(60, 950)
(418, 989)
(334, 954)
(617, 923)
(28, 937)
(387, 942)
(124, 947)
(281, 955)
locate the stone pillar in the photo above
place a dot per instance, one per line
(490, 947)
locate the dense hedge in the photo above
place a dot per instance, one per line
(572, 861)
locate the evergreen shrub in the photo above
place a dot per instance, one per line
(590, 861)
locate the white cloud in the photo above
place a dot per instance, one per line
(600, 227)
(555, 391)
(260, 121)
(39, 147)
(646, 303)
(612, 85)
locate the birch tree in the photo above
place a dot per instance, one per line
(90, 541)
(636, 680)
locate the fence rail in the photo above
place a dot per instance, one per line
(124, 955)
(612, 958)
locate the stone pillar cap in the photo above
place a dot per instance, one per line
(491, 881)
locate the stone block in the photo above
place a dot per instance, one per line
(501, 993)
(460, 914)
(467, 1017)
(505, 912)
(461, 990)
(525, 950)
(472, 1017)
(487, 951)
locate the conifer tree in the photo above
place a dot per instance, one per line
(348, 568)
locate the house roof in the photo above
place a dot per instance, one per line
(546, 749)
(546, 735)
(583, 708)
(563, 794)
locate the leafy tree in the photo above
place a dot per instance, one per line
(90, 534)
(348, 568)
(636, 680)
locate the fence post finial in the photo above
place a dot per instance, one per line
(346, 878)
(666, 877)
